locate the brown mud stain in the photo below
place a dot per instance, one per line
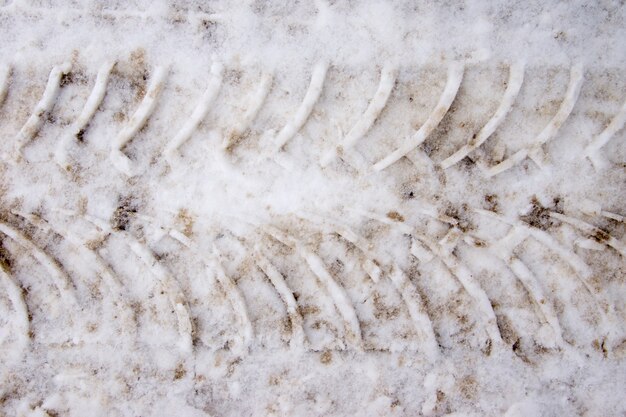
(187, 221)
(326, 357)
(539, 216)
(395, 216)
(122, 215)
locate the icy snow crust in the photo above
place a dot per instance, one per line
(319, 208)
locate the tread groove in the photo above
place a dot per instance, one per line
(43, 107)
(455, 76)
(298, 120)
(199, 113)
(120, 161)
(79, 126)
(535, 151)
(516, 79)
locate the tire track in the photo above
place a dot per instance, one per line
(456, 268)
(378, 102)
(403, 285)
(376, 263)
(516, 79)
(43, 107)
(424, 304)
(333, 288)
(199, 113)
(80, 125)
(120, 161)
(59, 277)
(15, 294)
(535, 151)
(503, 249)
(234, 135)
(581, 269)
(213, 263)
(298, 337)
(594, 232)
(114, 283)
(593, 149)
(5, 78)
(167, 282)
(455, 76)
(313, 93)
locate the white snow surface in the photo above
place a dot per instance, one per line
(252, 208)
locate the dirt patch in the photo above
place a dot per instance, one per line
(308, 309)
(468, 387)
(539, 216)
(123, 213)
(491, 202)
(395, 216)
(5, 260)
(187, 221)
(179, 372)
(461, 215)
(383, 311)
(600, 236)
(326, 357)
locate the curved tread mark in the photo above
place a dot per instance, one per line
(421, 161)
(403, 285)
(530, 282)
(5, 74)
(473, 288)
(592, 150)
(213, 263)
(577, 76)
(137, 121)
(420, 252)
(236, 298)
(503, 249)
(456, 268)
(43, 107)
(302, 114)
(595, 232)
(19, 305)
(581, 269)
(367, 119)
(370, 265)
(613, 216)
(60, 278)
(91, 106)
(170, 285)
(455, 76)
(336, 291)
(298, 337)
(535, 151)
(105, 272)
(417, 310)
(233, 293)
(516, 78)
(176, 296)
(199, 113)
(258, 98)
(572, 259)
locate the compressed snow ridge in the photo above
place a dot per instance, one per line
(380, 208)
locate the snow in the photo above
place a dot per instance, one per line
(379, 208)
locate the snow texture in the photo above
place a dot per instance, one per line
(312, 208)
